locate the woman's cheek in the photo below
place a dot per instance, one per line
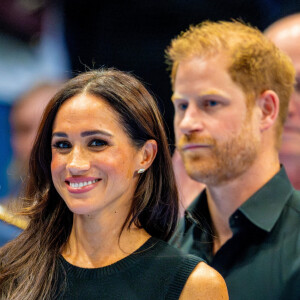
(58, 167)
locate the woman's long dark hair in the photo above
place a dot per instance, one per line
(29, 263)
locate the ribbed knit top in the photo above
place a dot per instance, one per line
(155, 271)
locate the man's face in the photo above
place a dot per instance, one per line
(217, 135)
(291, 134)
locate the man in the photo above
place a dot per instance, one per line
(285, 33)
(231, 88)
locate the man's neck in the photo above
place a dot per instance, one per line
(225, 198)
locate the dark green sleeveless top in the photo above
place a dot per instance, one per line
(155, 271)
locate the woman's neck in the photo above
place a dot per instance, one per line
(93, 245)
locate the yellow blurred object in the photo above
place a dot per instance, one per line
(12, 219)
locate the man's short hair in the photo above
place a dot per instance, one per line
(255, 63)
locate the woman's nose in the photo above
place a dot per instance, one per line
(78, 162)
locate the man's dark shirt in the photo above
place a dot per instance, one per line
(262, 259)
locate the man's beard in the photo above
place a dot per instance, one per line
(221, 161)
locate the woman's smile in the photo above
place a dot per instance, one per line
(81, 184)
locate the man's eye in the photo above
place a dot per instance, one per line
(62, 145)
(210, 103)
(98, 143)
(182, 106)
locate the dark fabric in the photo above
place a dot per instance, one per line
(155, 271)
(262, 259)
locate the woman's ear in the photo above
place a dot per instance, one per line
(148, 154)
(268, 102)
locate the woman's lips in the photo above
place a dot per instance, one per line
(81, 184)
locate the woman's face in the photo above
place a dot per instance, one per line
(94, 163)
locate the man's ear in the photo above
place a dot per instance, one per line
(148, 154)
(268, 103)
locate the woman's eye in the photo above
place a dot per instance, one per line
(98, 143)
(62, 145)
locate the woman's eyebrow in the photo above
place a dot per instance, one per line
(59, 134)
(93, 132)
(83, 134)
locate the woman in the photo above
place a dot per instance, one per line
(101, 197)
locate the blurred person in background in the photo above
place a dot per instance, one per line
(25, 119)
(32, 49)
(285, 33)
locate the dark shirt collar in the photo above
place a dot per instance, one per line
(265, 206)
(262, 209)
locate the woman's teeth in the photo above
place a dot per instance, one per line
(82, 184)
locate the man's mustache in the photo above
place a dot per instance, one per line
(194, 138)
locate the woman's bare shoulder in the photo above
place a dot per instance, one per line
(204, 283)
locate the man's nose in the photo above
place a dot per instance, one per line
(192, 120)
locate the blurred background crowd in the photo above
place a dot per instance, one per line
(43, 43)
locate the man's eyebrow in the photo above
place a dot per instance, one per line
(176, 96)
(199, 95)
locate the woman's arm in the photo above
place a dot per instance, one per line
(204, 283)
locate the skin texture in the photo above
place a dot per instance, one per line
(285, 33)
(224, 143)
(204, 283)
